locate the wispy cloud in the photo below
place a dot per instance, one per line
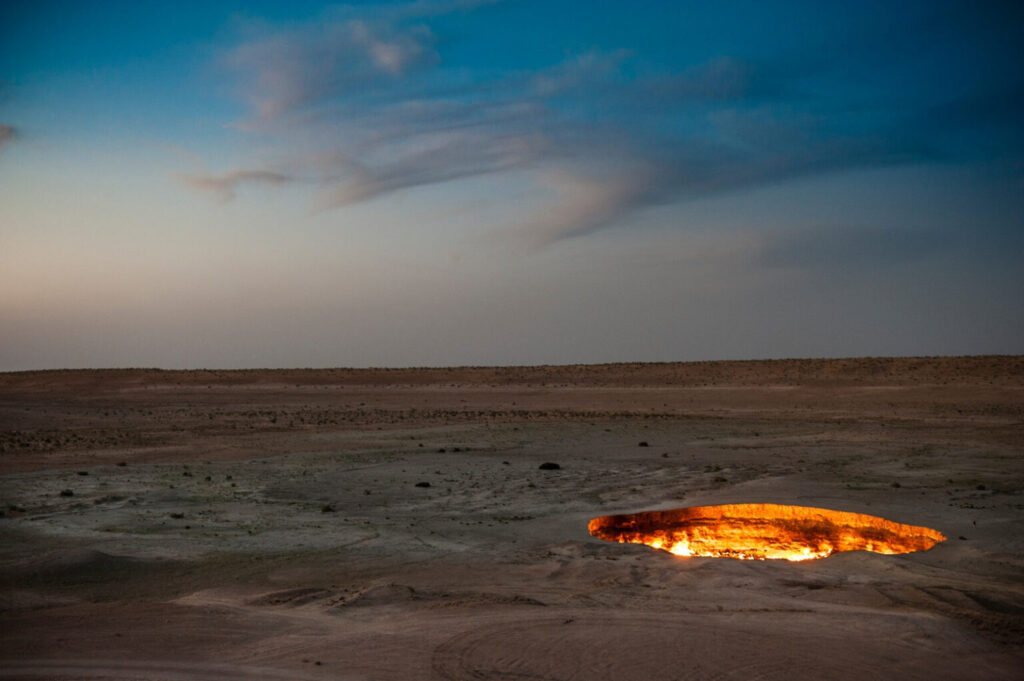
(584, 204)
(367, 107)
(225, 186)
(284, 72)
(580, 73)
(743, 150)
(448, 157)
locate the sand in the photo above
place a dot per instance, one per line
(269, 524)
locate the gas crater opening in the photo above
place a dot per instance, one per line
(763, 532)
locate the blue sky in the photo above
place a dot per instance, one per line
(459, 182)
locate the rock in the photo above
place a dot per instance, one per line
(423, 484)
(643, 444)
(292, 597)
(381, 594)
(548, 466)
(67, 493)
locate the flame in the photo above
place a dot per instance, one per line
(763, 532)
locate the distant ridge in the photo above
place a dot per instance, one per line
(980, 369)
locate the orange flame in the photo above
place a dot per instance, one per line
(763, 532)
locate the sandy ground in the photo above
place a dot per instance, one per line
(236, 525)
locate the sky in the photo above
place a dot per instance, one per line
(464, 182)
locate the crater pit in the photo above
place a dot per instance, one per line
(763, 532)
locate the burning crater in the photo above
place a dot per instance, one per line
(763, 532)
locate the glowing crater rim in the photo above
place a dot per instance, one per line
(763, 532)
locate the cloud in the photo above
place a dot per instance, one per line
(590, 70)
(585, 204)
(225, 186)
(364, 105)
(284, 72)
(450, 156)
(7, 134)
(743, 150)
(390, 135)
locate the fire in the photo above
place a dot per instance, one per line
(763, 532)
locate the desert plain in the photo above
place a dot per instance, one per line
(395, 523)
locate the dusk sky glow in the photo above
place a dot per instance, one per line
(454, 182)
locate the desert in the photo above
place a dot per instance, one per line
(397, 524)
(459, 340)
